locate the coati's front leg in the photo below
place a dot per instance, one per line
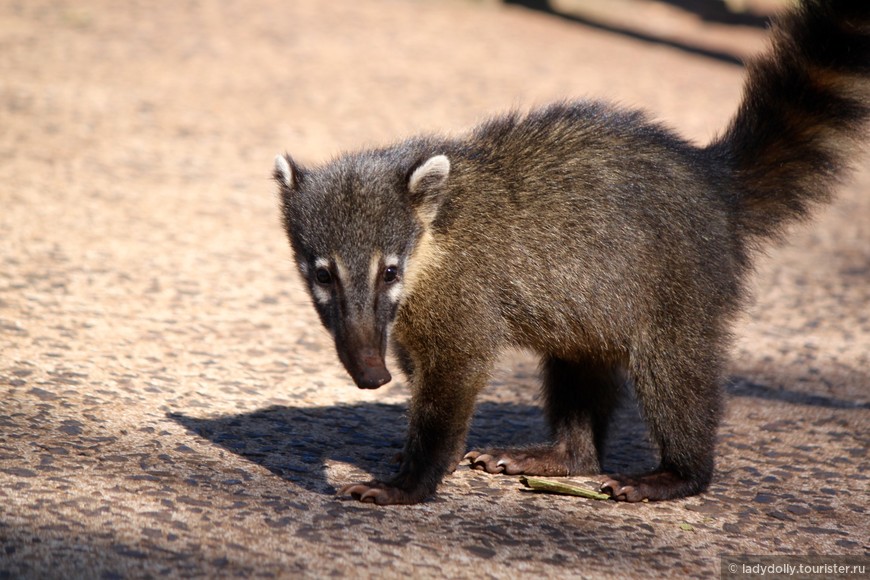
(442, 403)
(579, 400)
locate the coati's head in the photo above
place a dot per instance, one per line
(354, 225)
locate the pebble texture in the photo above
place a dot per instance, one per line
(170, 405)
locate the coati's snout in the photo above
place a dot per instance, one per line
(366, 367)
(361, 348)
(358, 322)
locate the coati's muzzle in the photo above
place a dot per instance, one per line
(368, 370)
(363, 357)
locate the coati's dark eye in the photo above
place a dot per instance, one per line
(391, 274)
(323, 276)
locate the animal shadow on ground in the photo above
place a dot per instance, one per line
(296, 443)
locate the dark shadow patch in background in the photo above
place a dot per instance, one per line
(716, 11)
(707, 10)
(741, 387)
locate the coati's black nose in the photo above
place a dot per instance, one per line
(364, 363)
(372, 377)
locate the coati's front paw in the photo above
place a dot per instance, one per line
(381, 493)
(655, 486)
(548, 460)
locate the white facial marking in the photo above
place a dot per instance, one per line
(321, 263)
(303, 267)
(320, 294)
(283, 169)
(374, 271)
(435, 170)
(341, 270)
(395, 292)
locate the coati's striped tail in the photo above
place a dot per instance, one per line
(805, 110)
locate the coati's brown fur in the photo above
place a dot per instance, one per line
(584, 233)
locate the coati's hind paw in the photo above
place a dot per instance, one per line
(538, 460)
(655, 486)
(380, 493)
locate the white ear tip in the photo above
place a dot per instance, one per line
(281, 164)
(282, 168)
(435, 169)
(438, 164)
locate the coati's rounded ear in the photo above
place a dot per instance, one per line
(424, 186)
(429, 174)
(286, 172)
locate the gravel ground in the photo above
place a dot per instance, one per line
(171, 405)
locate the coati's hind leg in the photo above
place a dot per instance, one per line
(679, 396)
(579, 400)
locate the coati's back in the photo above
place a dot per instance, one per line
(580, 222)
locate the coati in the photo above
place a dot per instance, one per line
(586, 233)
